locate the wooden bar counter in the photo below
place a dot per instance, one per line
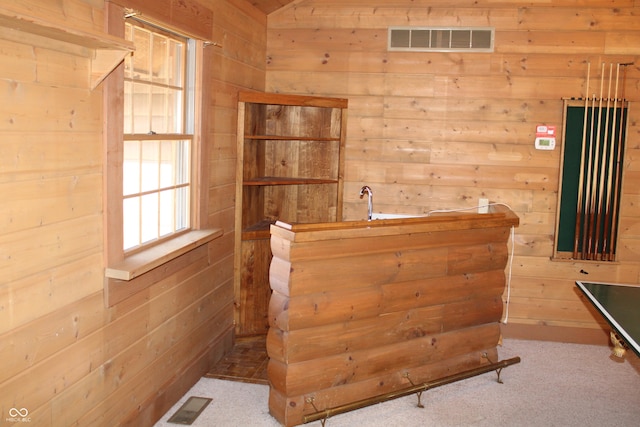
(366, 308)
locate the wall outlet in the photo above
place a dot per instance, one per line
(483, 205)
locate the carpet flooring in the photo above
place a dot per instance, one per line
(555, 384)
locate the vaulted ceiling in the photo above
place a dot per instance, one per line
(268, 6)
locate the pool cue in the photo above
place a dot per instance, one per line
(602, 169)
(615, 209)
(593, 180)
(607, 217)
(576, 236)
(587, 186)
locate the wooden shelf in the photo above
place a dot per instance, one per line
(275, 180)
(289, 138)
(297, 100)
(104, 51)
(259, 230)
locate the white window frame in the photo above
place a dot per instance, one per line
(169, 212)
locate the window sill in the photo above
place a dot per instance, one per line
(145, 261)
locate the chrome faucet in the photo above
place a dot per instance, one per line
(367, 189)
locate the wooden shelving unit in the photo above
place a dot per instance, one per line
(290, 168)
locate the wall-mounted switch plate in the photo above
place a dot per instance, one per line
(483, 205)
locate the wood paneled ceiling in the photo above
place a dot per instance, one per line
(268, 6)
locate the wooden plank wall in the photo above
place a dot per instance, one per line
(65, 358)
(441, 130)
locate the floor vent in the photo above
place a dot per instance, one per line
(439, 39)
(190, 410)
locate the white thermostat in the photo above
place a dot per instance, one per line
(545, 137)
(545, 143)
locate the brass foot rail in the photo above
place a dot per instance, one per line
(418, 389)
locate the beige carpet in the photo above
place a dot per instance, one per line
(554, 385)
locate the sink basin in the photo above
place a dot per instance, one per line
(392, 216)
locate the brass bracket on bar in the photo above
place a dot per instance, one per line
(498, 370)
(418, 392)
(324, 414)
(310, 400)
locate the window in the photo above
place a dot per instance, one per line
(154, 206)
(158, 135)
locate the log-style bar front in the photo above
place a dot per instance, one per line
(361, 310)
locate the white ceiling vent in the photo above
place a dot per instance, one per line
(441, 39)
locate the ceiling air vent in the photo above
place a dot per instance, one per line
(439, 39)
